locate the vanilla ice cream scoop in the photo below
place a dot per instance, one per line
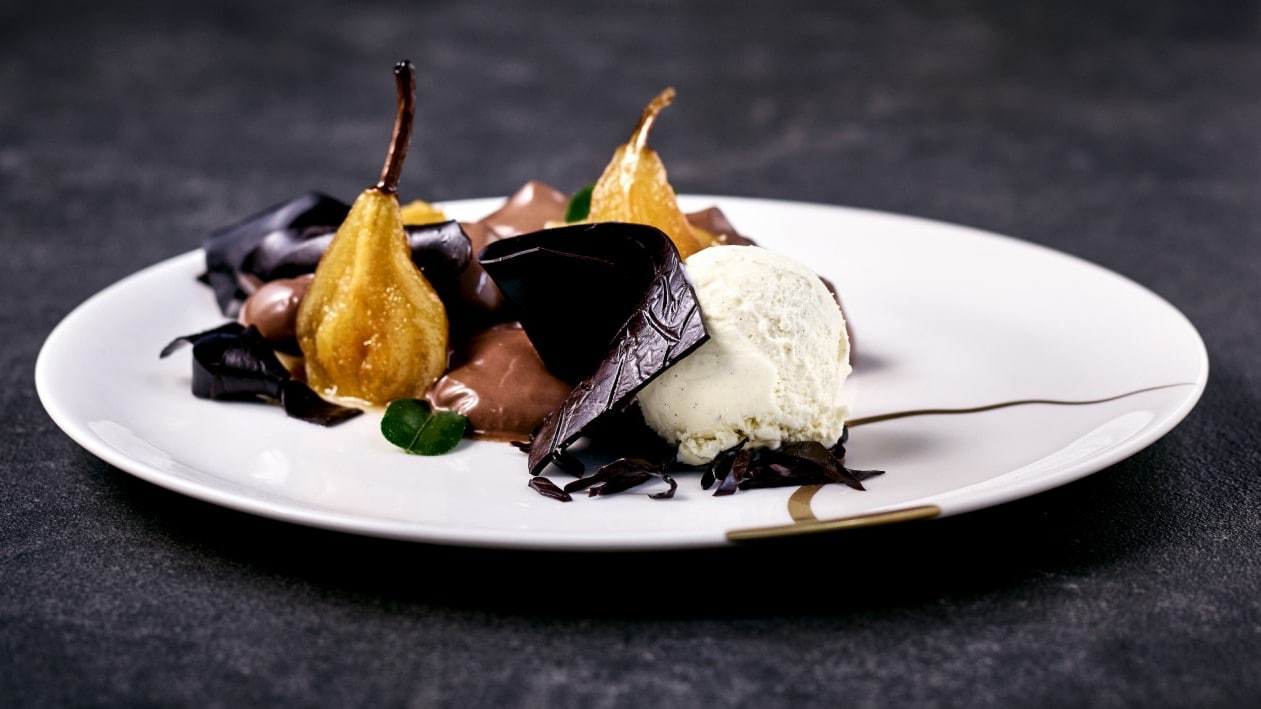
(772, 369)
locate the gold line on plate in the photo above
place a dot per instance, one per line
(799, 504)
(804, 520)
(862, 421)
(811, 526)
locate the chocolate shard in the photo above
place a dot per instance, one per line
(737, 471)
(793, 463)
(547, 488)
(624, 474)
(607, 306)
(812, 452)
(288, 239)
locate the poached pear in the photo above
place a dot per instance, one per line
(634, 187)
(371, 326)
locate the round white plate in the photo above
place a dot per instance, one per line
(944, 317)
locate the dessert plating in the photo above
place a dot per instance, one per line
(558, 330)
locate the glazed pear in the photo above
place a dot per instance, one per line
(371, 327)
(634, 187)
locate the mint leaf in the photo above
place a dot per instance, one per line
(579, 205)
(413, 426)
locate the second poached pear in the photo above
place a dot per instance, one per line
(634, 187)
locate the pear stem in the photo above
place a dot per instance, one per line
(639, 139)
(405, 80)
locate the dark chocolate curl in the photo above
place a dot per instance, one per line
(228, 249)
(794, 463)
(227, 331)
(607, 306)
(819, 455)
(301, 402)
(547, 488)
(737, 472)
(233, 362)
(621, 475)
(288, 240)
(440, 250)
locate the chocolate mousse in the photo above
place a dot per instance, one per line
(500, 384)
(532, 207)
(273, 308)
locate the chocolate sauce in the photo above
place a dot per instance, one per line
(500, 384)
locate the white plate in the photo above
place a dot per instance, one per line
(944, 317)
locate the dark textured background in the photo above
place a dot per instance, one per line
(1128, 133)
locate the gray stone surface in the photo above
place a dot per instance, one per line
(1128, 133)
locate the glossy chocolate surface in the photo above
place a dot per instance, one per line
(500, 384)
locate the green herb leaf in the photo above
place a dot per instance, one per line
(413, 426)
(579, 205)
